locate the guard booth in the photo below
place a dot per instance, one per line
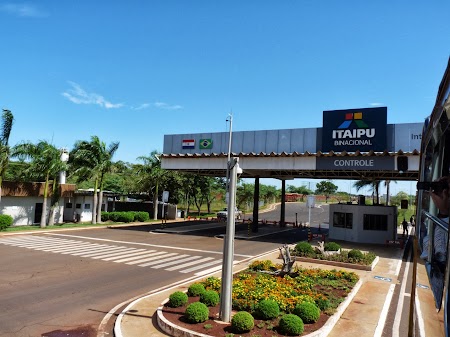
(363, 223)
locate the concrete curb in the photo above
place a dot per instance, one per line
(339, 264)
(176, 331)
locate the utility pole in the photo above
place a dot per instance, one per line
(228, 248)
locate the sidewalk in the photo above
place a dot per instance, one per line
(364, 316)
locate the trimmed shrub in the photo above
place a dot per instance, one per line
(105, 216)
(210, 298)
(196, 312)
(304, 248)
(195, 289)
(141, 216)
(5, 221)
(267, 309)
(308, 312)
(291, 324)
(356, 255)
(126, 217)
(177, 299)
(242, 322)
(331, 246)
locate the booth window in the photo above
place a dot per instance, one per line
(375, 222)
(343, 220)
(87, 206)
(68, 205)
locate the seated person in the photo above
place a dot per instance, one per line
(440, 194)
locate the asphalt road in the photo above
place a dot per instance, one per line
(63, 283)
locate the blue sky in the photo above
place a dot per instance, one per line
(132, 71)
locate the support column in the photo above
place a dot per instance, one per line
(283, 204)
(255, 206)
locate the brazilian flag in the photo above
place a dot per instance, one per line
(206, 144)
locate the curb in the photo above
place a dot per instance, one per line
(176, 331)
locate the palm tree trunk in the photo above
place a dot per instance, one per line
(44, 203)
(100, 201)
(51, 218)
(94, 206)
(155, 203)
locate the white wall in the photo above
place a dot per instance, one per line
(357, 232)
(22, 209)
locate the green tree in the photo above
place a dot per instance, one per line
(44, 161)
(150, 177)
(269, 194)
(93, 160)
(7, 123)
(326, 188)
(244, 194)
(373, 185)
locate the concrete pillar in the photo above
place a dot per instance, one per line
(255, 206)
(283, 204)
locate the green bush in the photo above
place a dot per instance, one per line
(5, 221)
(304, 248)
(177, 299)
(210, 298)
(126, 217)
(195, 289)
(356, 255)
(141, 216)
(105, 216)
(308, 312)
(331, 246)
(242, 322)
(323, 303)
(196, 312)
(291, 324)
(262, 265)
(267, 309)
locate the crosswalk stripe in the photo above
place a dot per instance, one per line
(141, 257)
(95, 252)
(189, 264)
(199, 267)
(132, 253)
(119, 250)
(175, 262)
(157, 255)
(163, 260)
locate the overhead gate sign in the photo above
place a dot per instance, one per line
(356, 163)
(354, 129)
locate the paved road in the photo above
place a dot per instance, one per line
(63, 283)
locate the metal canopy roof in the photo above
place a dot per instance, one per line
(202, 165)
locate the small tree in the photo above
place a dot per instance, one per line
(326, 188)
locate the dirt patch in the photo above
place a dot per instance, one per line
(213, 327)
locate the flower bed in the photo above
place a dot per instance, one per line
(324, 289)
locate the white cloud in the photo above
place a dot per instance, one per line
(165, 106)
(78, 95)
(22, 10)
(142, 106)
(376, 104)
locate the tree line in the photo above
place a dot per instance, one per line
(90, 166)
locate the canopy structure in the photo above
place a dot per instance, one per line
(364, 146)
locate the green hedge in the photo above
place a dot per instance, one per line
(5, 221)
(125, 216)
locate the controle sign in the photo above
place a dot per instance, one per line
(356, 163)
(354, 129)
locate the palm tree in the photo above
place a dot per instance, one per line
(7, 122)
(45, 161)
(150, 177)
(373, 184)
(93, 160)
